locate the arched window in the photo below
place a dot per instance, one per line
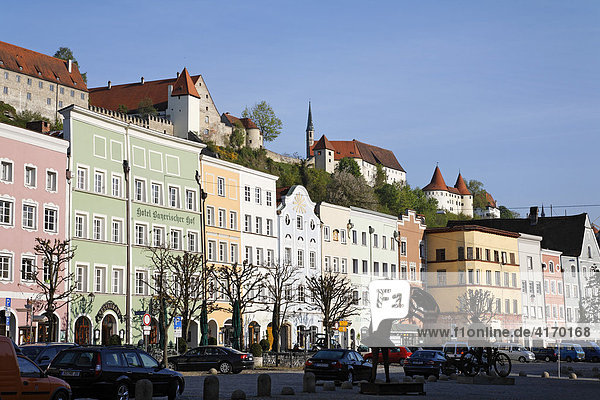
(551, 264)
(83, 331)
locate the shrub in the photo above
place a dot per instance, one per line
(182, 346)
(266, 346)
(212, 341)
(256, 350)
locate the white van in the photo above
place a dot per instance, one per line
(455, 349)
(515, 351)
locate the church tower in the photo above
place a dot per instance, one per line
(310, 132)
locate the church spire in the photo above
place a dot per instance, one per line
(309, 124)
(310, 133)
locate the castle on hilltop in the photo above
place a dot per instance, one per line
(456, 199)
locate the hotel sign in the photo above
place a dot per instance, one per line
(164, 216)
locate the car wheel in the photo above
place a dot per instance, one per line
(569, 359)
(225, 367)
(174, 390)
(61, 395)
(522, 359)
(350, 377)
(122, 391)
(173, 366)
(547, 359)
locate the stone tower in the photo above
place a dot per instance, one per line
(310, 132)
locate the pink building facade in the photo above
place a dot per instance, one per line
(33, 198)
(554, 290)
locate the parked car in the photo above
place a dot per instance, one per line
(362, 349)
(455, 350)
(43, 353)
(544, 353)
(515, 351)
(338, 365)
(223, 359)
(20, 378)
(319, 343)
(571, 352)
(425, 362)
(396, 355)
(112, 372)
(591, 350)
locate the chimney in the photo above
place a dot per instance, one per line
(177, 74)
(70, 66)
(39, 126)
(533, 215)
(142, 80)
(109, 84)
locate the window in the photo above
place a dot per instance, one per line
(222, 218)
(589, 251)
(6, 212)
(233, 253)
(190, 199)
(222, 252)
(469, 253)
(376, 269)
(301, 295)
(538, 287)
(514, 279)
(488, 277)
(72, 93)
(270, 256)
(506, 279)
(288, 255)
(441, 277)
(573, 272)
(27, 269)
(498, 305)
(60, 103)
(99, 182)
(50, 219)
(117, 228)
(344, 262)
(343, 236)
(529, 262)
(51, 181)
(247, 193)
(140, 234)
(354, 266)
(29, 216)
(312, 259)
(497, 278)
(51, 88)
(440, 254)
(515, 307)
(560, 287)
(336, 264)
(98, 228)
(461, 253)
(375, 241)
(100, 280)
(504, 259)
(365, 267)
(354, 237)
(496, 256)
(116, 185)
(6, 173)
(28, 96)
(470, 276)
(210, 216)
(81, 225)
(158, 236)
(259, 256)
(392, 244)
(62, 90)
(269, 196)
(269, 227)
(258, 226)
(81, 278)
(140, 190)
(326, 236)
(327, 265)
(507, 306)
(403, 248)
(247, 223)
(233, 220)
(176, 239)
(141, 283)
(48, 101)
(383, 241)
(299, 222)
(192, 242)
(531, 287)
(211, 250)
(364, 238)
(30, 173)
(156, 193)
(174, 196)
(117, 281)
(221, 187)
(248, 254)
(257, 195)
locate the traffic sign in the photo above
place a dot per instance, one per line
(147, 330)
(8, 302)
(343, 329)
(7, 321)
(343, 323)
(139, 312)
(147, 319)
(177, 327)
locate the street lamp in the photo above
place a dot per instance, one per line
(349, 225)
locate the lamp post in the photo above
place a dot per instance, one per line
(204, 312)
(126, 170)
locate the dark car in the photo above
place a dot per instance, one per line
(338, 365)
(43, 353)
(425, 362)
(223, 359)
(112, 372)
(544, 353)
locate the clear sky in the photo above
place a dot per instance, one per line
(507, 92)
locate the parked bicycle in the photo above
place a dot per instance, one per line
(482, 359)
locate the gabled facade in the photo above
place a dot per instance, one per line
(532, 276)
(491, 209)
(40, 83)
(456, 199)
(553, 289)
(33, 203)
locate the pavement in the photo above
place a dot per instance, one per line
(531, 387)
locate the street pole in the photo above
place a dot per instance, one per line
(203, 195)
(126, 170)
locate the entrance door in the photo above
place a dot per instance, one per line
(109, 328)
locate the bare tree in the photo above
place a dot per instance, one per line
(240, 282)
(279, 279)
(331, 294)
(478, 305)
(56, 285)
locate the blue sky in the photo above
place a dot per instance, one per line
(506, 92)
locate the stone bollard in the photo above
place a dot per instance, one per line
(407, 379)
(263, 386)
(143, 389)
(431, 378)
(347, 385)
(572, 375)
(443, 377)
(328, 386)
(287, 391)
(238, 395)
(211, 388)
(309, 383)
(419, 379)
(453, 376)
(522, 373)
(545, 374)
(213, 371)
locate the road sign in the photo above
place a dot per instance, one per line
(8, 302)
(343, 323)
(147, 319)
(7, 322)
(147, 330)
(177, 327)
(343, 329)
(139, 313)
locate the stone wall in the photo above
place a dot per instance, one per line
(151, 122)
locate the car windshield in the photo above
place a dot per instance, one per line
(578, 347)
(74, 358)
(31, 351)
(423, 354)
(329, 354)
(594, 345)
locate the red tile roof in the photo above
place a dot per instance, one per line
(490, 200)
(130, 94)
(438, 183)
(461, 186)
(42, 66)
(246, 122)
(184, 86)
(323, 143)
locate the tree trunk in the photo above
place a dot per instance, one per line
(50, 332)
(275, 328)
